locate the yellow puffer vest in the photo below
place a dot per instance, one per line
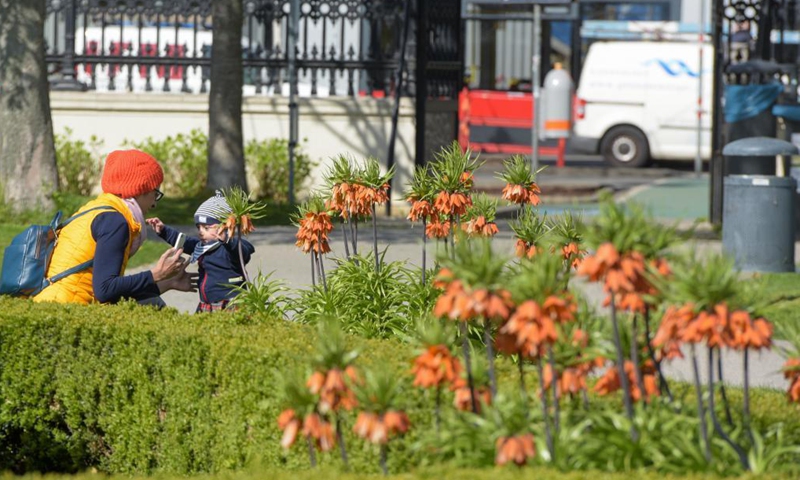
(76, 245)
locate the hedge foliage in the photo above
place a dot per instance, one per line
(131, 389)
(505, 473)
(134, 390)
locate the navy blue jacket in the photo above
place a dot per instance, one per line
(217, 268)
(110, 230)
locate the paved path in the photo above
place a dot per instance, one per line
(671, 199)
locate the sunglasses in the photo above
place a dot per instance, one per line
(159, 195)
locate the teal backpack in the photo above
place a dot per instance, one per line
(26, 260)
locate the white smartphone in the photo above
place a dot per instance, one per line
(180, 240)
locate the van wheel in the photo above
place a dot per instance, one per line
(625, 147)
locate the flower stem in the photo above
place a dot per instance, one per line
(375, 239)
(321, 271)
(345, 226)
(662, 380)
(556, 407)
(312, 454)
(355, 236)
(717, 427)
(722, 391)
(452, 237)
(700, 410)
(241, 253)
(548, 434)
(340, 439)
(384, 468)
(424, 247)
(746, 388)
(635, 359)
(623, 378)
(487, 338)
(313, 268)
(470, 381)
(438, 411)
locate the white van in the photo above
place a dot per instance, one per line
(637, 101)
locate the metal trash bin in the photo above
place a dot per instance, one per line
(756, 156)
(758, 224)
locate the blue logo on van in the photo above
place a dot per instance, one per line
(674, 68)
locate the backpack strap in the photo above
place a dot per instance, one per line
(49, 281)
(66, 222)
(56, 225)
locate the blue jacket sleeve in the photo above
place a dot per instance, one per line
(170, 234)
(247, 249)
(110, 232)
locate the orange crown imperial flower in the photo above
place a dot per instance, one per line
(420, 210)
(479, 227)
(437, 228)
(463, 397)
(571, 381)
(791, 371)
(610, 382)
(458, 303)
(573, 253)
(342, 199)
(378, 428)
(517, 449)
(316, 428)
(522, 194)
(531, 329)
(525, 249)
(331, 386)
(435, 367)
(452, 203)
(313, 231)
(290, 424)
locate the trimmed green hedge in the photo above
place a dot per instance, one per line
(135, 390)
(132, 389)
(504, 473)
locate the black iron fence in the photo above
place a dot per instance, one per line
(346, 47)
(755, 32)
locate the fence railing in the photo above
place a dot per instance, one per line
(346, 47)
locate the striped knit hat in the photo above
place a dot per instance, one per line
(212, 210)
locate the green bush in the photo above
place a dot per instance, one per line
(268, 163)
(185, 162)
(431, 473)
(184, 159)
(79, 163)
(369, 303)
(132, 389)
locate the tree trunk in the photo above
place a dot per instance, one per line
(225, 142)
(28, 175)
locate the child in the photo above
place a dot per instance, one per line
(217, 256)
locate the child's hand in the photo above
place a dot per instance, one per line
(220, 233)
(156, 224)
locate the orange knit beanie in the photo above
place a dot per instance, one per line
(129, 173)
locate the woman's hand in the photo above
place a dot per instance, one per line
(170, 264)
(182, 282)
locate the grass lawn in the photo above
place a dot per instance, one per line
(782, 291)
(149, 253)
(180, 211)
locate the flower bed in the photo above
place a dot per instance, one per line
(131, 390)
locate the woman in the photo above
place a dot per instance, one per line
(109, 230)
